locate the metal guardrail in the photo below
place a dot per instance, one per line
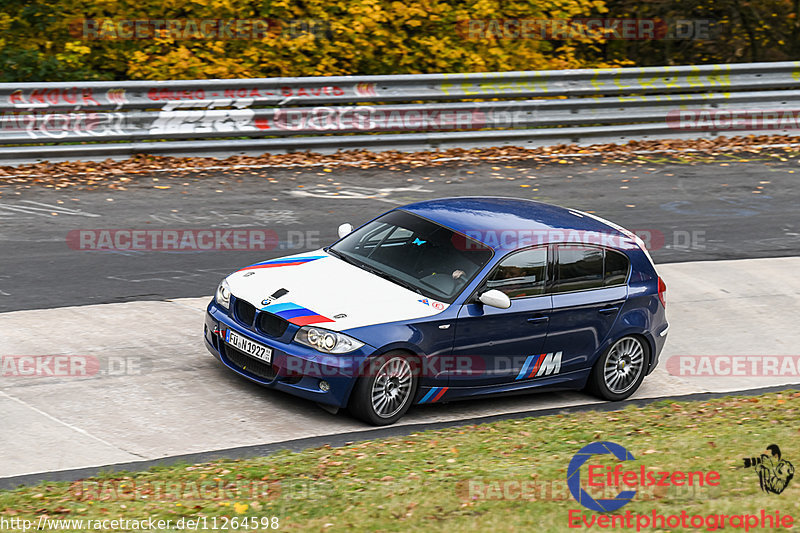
(91, 120)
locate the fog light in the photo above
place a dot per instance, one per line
(324, 386)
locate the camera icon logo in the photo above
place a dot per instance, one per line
(774, 472)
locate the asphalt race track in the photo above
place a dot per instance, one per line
(695, 213)
(157, 393)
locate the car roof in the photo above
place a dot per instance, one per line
(487, 216)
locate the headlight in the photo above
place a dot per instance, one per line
(326, 341)
(223, 296)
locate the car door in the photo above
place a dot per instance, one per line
(588, 290)
(494, 346)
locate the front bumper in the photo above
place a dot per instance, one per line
(295, 368)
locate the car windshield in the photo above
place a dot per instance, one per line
(415, 253)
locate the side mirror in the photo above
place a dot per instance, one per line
(495, 298)
(345, 230)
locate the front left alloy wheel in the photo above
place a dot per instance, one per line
(385, 393)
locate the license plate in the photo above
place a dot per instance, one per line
(253, 349)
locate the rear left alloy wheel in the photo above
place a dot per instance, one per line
(619, 372)
(384, 395)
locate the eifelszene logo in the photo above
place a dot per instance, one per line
(774, 472)
(574, 477)
(601, 477)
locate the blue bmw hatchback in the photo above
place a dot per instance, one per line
(447, 299)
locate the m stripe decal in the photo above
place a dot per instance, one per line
(438, 396)
(296, 314)
(524, 370)
(435, 394)
(283, 306)
(310, 319)
(283, 262)
(530, 365)
(538, 364)
(292, 313)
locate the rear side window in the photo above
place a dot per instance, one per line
(616, 268)
(579, 268)
(522, 274)
(586, 267)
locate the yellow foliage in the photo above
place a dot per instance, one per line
(313, 37)
(77, 47)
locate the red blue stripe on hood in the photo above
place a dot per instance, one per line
(296, 314)
(289, 261)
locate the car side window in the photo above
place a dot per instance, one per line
(579, 268)
(588, 267)
(616, 268)
(521, 274)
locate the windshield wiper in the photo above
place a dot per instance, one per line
(395, 279)
(343, 257)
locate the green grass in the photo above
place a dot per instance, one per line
(420, 482)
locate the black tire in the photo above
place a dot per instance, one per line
(612, 378)
(385, 373)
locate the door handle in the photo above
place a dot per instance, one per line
(608, 310)
(538, 319)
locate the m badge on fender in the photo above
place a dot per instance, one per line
(540, 365)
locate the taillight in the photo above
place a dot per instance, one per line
(662, 292)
